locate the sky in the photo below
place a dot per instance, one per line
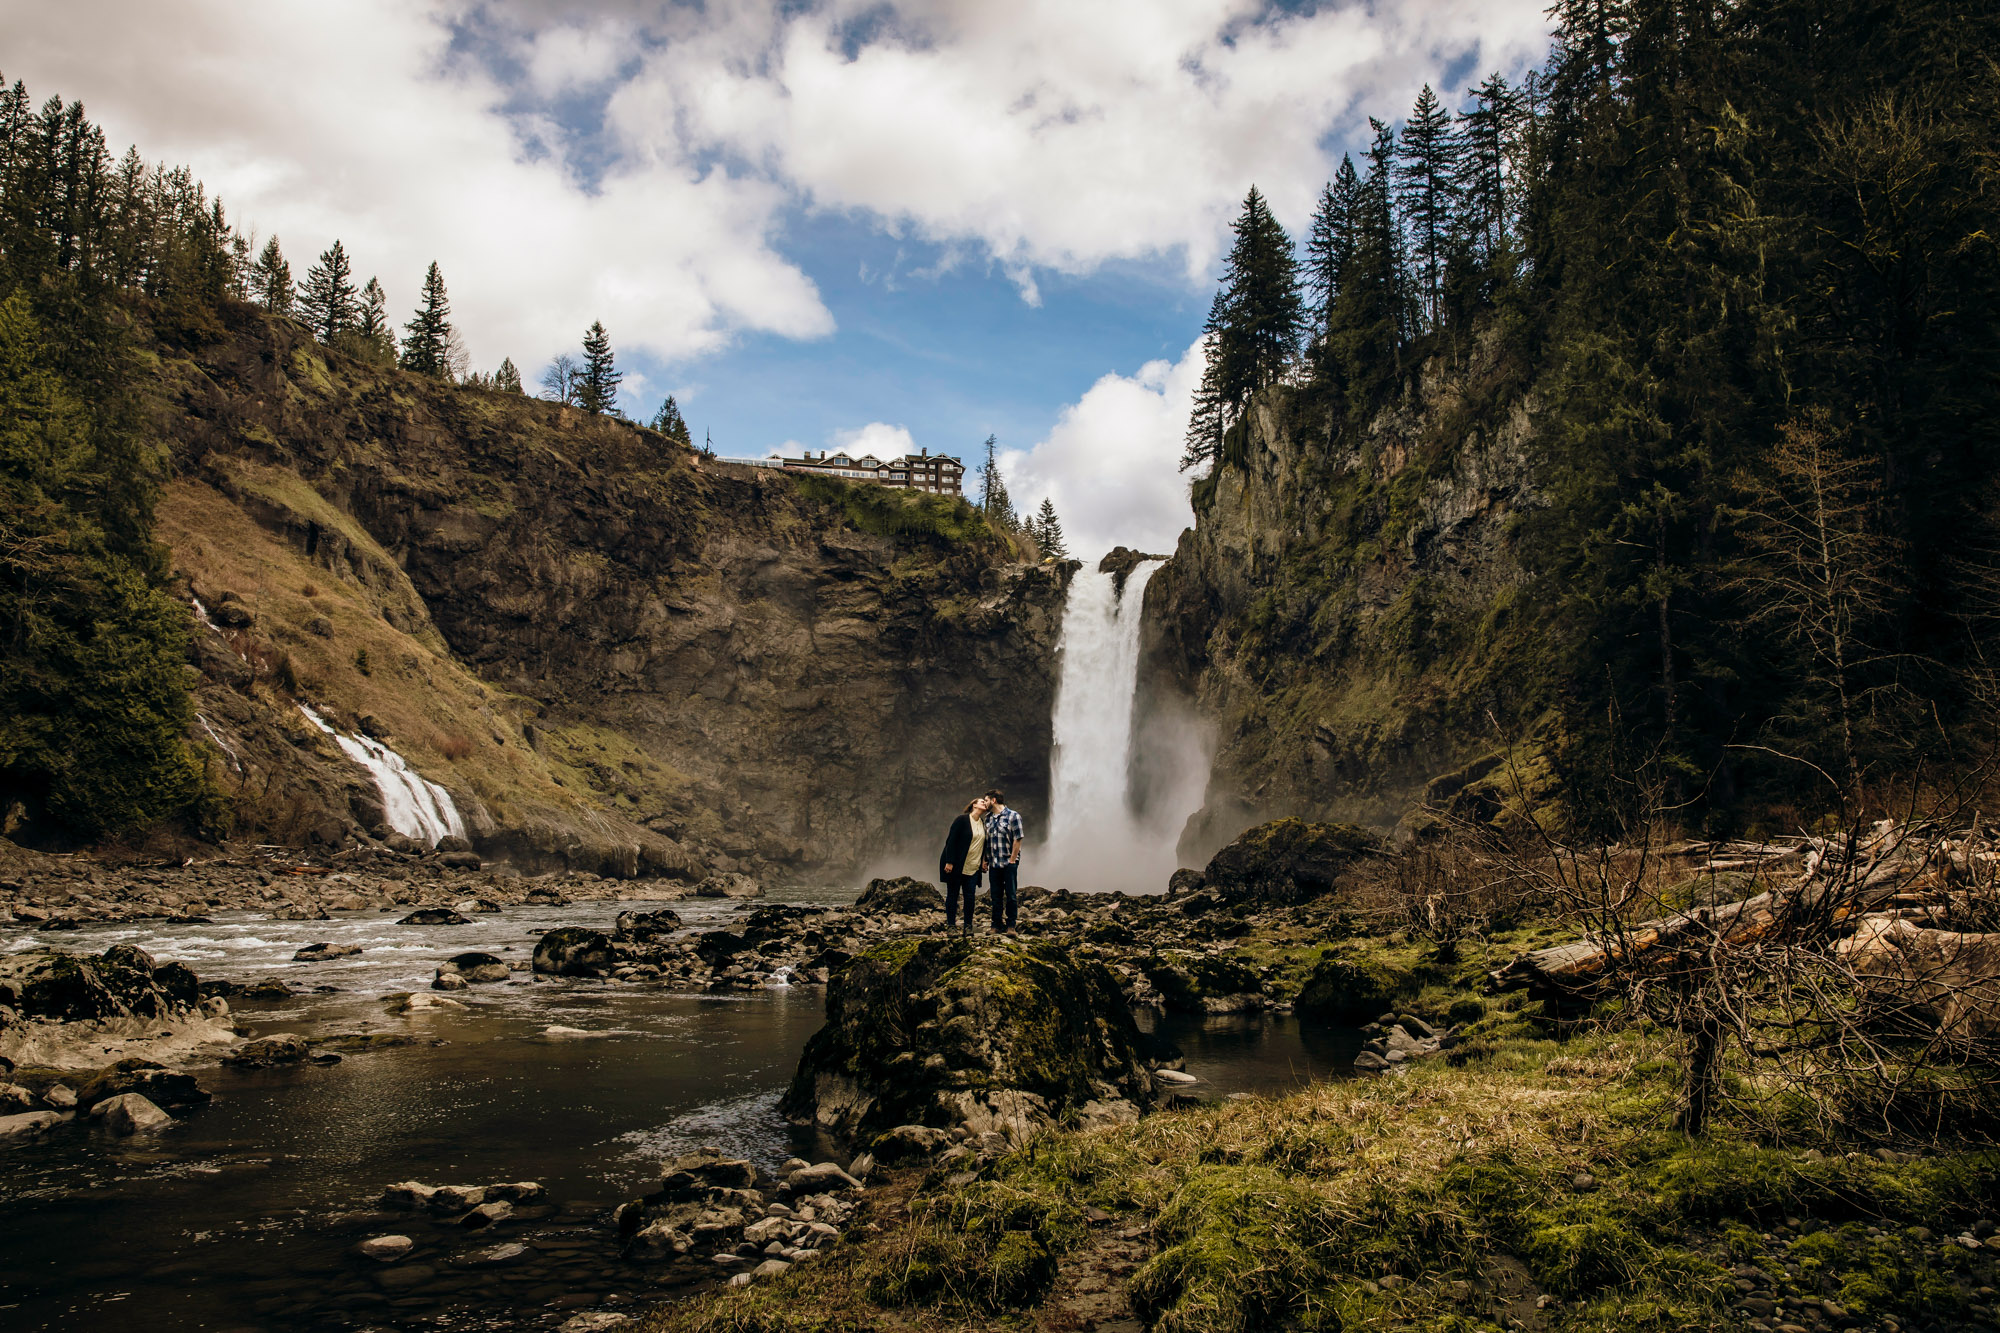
(817, 223)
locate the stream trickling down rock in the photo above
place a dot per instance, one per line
(245, 1214)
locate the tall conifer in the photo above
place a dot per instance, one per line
(597, 388)
(1426, 181)
(272, 279)
(1253, 327)
(327, 299)
(427, 337)
(670, 423)
(507, 379)
(372, 330)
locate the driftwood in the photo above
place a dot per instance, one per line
(1834, 888)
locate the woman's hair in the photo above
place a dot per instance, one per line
(969, 804)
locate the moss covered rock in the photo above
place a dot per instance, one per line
(573, 951)
(121, 982)
(1287, 860)
(997, 1034)
(1340, 990)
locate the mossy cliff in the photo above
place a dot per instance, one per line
(613, 654)
(1347, 609)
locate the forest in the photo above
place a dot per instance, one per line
(1741, 261)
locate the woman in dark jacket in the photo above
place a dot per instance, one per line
(963, 858)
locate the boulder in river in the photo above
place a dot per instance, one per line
(572, 951)
(434, 916)
(902, 895)
(130, 1113)
(1284, 861)
(474, 968)
(728, 886)
(996, 1035)
(29, 1123)
(643, 926)
(280, 1048)
(385, 1249)
(157, 1083)
(121, 982)
(319, 953)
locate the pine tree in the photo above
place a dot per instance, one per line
(327, 303)
(371, 337)
(1048, 531)
(994, 501)
(1253, 327)
(597, 389)
(1330, 247)
(1487, 134)
(1426, 181)
(272, 279)
(669, 422)
(507, 379)
(427, 340)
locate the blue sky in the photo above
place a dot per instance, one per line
(807, 218)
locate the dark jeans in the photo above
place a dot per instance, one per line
(954, 885)
(1004, 880)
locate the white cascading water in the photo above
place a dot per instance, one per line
(1096, 839)
(413, 805)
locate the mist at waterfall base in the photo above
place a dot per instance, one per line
(1116, 808)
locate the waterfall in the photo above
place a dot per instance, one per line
(412, 805)
(1097, 839)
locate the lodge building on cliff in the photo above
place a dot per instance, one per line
(940, 474)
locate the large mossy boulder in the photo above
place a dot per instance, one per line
(902, 895)
(572, 951)
(121, 982)
(1343, 992)
(1286, 861)
(996, 1035)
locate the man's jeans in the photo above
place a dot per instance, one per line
(1004, 879)
(955, 885)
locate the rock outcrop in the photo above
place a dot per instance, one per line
(616, 656)
(1284, 861)
(1345, 610)
(997, 1037)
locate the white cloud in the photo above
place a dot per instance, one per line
(1111, 462)
(877, 438)
(1058, 134)
(355, 121)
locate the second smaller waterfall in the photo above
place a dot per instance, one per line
(413, 805)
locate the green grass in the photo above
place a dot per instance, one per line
(886, 512)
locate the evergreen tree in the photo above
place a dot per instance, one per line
(1253, 327)
(372, 335)
(1330, 248)
(597, 388)
(327, 299)
(1367, 328)
(272, 279)
(994, 501)
(1486, 135)
(1048, 531)
(427, 337)
(1426, 182)
(669, 422)
(507, 379)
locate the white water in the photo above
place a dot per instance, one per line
(414, 806)
(1097, 840)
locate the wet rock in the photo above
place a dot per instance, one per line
(659, 1240)
(486, 1214)
(456, 1198)
(641, 927)
(29, 1123)
(704, 1173)
(470, 906)
(825, 1178)
(130, 1113)
(408, 1194)
(270, 988)
(728, 886)
(498, 1255)
(952, 1030)
(281, 1048)
(1287, 860)
(903, 896)
(460, 861)
(474, 968)
(907, 1141)
(434, 916)
(448, 981)
(417, 1002)
(385, 1249)
(14, 1099)
(319, 953)
(60, 1097)
(121, 982)
(518, 1192)
(157, 1083)
(572, 951)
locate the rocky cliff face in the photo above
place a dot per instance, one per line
(614, 655)
(1346, 608)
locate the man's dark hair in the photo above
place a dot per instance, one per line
(998, 795)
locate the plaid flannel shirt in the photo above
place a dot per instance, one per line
(1003, 830)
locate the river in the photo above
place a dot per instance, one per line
(244, 1215)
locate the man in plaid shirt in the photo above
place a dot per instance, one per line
(1003, 854)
